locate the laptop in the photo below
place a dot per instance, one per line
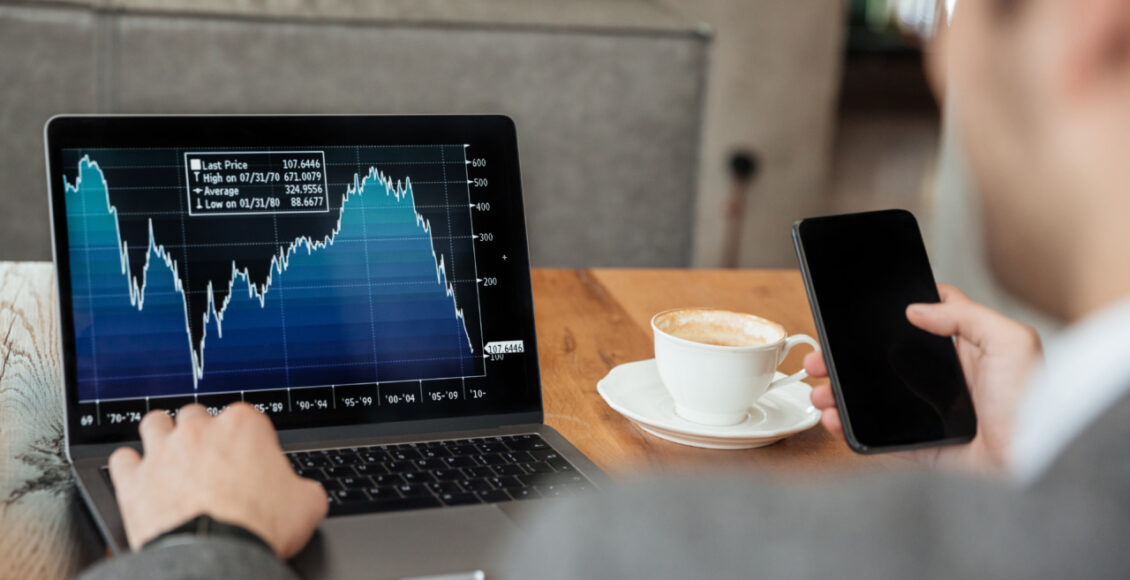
(362, 280)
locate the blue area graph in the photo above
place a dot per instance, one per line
(167, 303)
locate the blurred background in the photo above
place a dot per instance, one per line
(654, 133)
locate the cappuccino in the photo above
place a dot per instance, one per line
(716, 363)
(719, 327)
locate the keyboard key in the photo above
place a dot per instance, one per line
(350, 495)
(524, 493)
(348, 459)
(463, 450)
(552, 490)
(477, 472)
(331, 485)
(406, 454)
(388, 479)
(490, 447)
(434, 452)
(370, 469)
(458, 498)
(418, 477)
(494, 496)
(401, 466)
(442, 487)
(382, 492)
(314, 462)
(450, 474)
(476, 484)
(504, 481)
(343, 471)
(543, 454)
(429, 464)
(375, 457)
(517, 457)
(537, 467)
(459, 461)
(490, 459)
(509, 470)
(413, 490)
(356, 482)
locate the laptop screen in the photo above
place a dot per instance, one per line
(328, 270)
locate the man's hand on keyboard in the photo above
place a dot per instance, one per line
(229, 467)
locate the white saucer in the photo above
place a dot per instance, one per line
(634, 391)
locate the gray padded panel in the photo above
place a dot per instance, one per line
(47, 66)
(608, 169)
(608, 119)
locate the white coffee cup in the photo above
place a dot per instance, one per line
(717, 363)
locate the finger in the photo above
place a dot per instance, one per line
(192, 413)
(122, 463)
(822, 397)
(814, 365)
(830, 418)
(955, 317)
(154, 428)
(947, 292)
(243, 413)
(251, 426)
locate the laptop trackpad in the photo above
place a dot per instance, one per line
(406, 544)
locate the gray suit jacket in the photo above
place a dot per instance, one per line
(1074, 523)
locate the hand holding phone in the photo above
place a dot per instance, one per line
(994, 352)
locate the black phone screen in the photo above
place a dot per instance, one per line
(897, 386)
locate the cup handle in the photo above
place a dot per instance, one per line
(790, 342)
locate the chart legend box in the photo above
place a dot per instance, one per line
(256, 182)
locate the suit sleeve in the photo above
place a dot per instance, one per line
(194, 558)
(846, 528)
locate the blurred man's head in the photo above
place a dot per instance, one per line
(1042, 97)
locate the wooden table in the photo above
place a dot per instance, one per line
(588, 322)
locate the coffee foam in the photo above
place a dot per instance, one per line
(719, 327)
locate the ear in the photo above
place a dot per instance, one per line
(1097, 48)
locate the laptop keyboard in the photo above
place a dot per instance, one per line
(407, 476)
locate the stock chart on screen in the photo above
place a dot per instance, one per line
(273, 274)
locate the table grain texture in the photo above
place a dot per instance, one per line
(588, 321)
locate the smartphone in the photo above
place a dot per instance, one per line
(897, 386)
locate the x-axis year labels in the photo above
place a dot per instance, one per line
(255, 182)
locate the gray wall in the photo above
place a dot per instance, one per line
(606, 96)
(773, 87)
